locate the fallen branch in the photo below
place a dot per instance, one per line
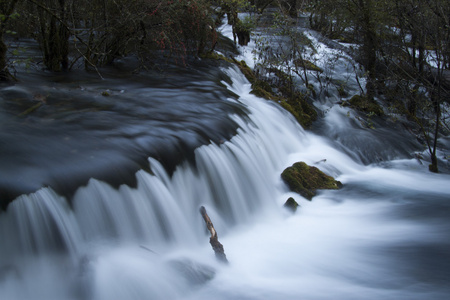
(213, 240)
(31, 109)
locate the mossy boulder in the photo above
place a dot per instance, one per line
(364, 104)
(305, 180)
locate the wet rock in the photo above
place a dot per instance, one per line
(291, 205)
(195, 273)
(305, 180)
(364, 104)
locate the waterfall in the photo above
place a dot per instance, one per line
(150, 242)
(234, 180)
(237, 181)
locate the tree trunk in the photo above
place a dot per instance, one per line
(53, 58)
(369, 48)
(433, 167)
(63, 36)
(6, 9)
(437, 110)
(4, 74)
(54, 36)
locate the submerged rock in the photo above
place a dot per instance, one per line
(195, 273)
(291, 205)
(305, 180)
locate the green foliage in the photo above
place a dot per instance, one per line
(102, 31)
(6, 17)
(241, 28)
(300, 109)
(341, 88)
(291, 50)
(187, 26)
(306, 64)
(246, 25)
(282, 60)
(404, 54)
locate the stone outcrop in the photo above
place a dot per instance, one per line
(305, 180)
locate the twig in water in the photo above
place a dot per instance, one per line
(213, 240)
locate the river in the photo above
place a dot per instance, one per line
(84, 235)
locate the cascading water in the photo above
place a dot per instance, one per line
(383, 235)
(234, 180)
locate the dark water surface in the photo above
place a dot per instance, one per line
(61, 129)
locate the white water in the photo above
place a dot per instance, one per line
(374, 238)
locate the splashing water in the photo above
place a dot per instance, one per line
(383, 235)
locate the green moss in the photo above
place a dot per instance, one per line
(311, 88)
(300, 109)
(346, 40)
(264, 90)
(212, 55)
(364, 104)
(305, 180)
(291, 205)
(341, 88)
(245, 26)
(246, 70)
(308, 65)
(296, 104)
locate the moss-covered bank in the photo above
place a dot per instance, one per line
(364, 104)
(292, 101)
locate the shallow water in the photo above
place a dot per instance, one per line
(85, 127)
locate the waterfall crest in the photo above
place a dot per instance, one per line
(236, 180)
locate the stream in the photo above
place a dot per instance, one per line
(107, 178)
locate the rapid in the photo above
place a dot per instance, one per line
(383, 235)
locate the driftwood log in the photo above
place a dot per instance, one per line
(213, 240)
